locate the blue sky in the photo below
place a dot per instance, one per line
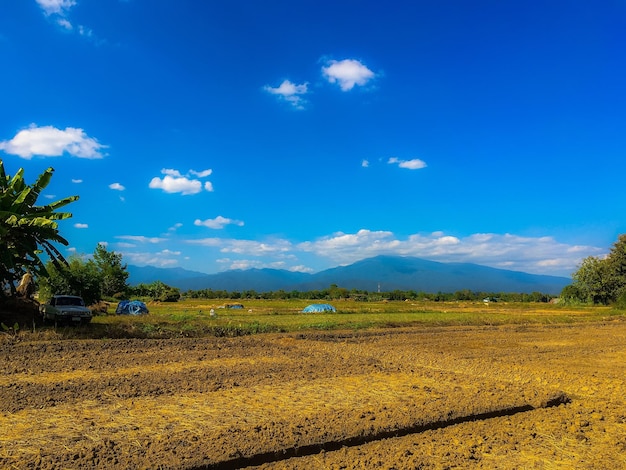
(216, 135)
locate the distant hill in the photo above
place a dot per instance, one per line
(390, 272)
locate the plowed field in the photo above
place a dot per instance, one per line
(405, 398)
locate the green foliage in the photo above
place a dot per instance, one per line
(156, 291)
(78, 277)
(92, 279)
(602, 280)
(27, 230)
(621, 300)
(113, 274)
(335, 293)
(11, 330)
(572, 295)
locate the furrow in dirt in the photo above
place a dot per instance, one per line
(294, 452)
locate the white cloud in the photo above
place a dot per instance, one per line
(365, 163)
(58, 11)
(161, 259)
(81, 226)
(175, 182)
(300, 269)
(56, 7)
(48, 141)
(347, 73)
(126, 245)
(218, 223)
(290, 92)
(142, 239)
(83, 31)
(77, 181)
(117, 187)
(228, 263)
(247, 247)
(63, 22)
(415, 164)
(201, 174)
(171, 172)
(176, 185)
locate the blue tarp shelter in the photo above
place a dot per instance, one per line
(316, 308)
(131, 307)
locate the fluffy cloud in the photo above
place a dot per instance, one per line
(48, 141)
(201, 174)
(59, 10)
(141, 239)
(174, 227)
(365, 163)
(290, 92)
(81, 226)
(415, 164)
(161, 259)
(117, 187)
(246, 247)
(175, 182)
(217, 223)
(56, 7)
(228, 263)
(181, 185)
(347, 73)
(541, 255)
(64, 23)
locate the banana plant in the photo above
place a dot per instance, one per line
(28, 231)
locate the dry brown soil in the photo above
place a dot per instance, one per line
(407, 398)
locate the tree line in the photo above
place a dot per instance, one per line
(340, 293)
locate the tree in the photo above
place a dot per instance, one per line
(78, 277)
(602, 280)
(156, 290)
(27, 230)
(113, 273)
(593, 280)
(92, 279)
(617, 267)
(571, 294)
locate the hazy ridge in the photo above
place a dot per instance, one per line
(390, 272)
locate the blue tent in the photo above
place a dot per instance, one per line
(316, 308)
(131, 307)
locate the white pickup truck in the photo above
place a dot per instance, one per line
(65, 309)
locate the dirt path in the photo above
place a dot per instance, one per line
(454, 397)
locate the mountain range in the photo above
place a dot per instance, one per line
(386, 273)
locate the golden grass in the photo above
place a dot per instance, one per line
(347, 402)
(296, 390)
(47, 378)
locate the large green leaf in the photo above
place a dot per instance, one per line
(28, 231)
